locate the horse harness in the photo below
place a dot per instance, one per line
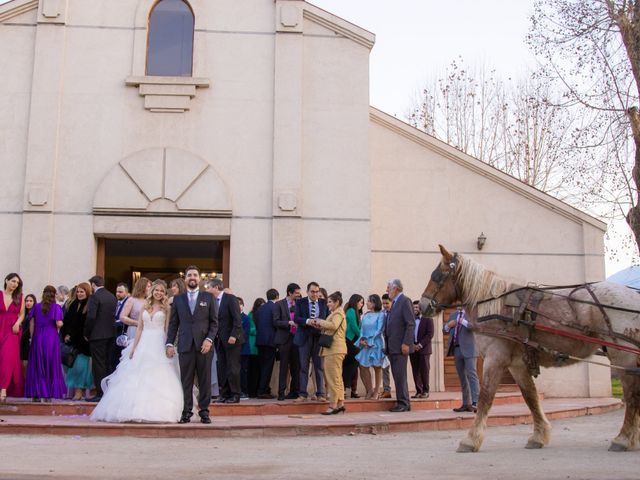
(524, 303)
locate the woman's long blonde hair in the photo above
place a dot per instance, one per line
(148, 303)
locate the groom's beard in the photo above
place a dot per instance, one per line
(192, 284)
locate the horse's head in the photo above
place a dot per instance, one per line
(442, 288)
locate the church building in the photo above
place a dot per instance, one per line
(140, 136)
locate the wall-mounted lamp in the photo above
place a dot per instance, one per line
(482, 239)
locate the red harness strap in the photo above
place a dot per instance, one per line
(584, 338)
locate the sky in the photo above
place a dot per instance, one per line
(417, 39)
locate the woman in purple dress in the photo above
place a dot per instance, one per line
(45, 377)
(11, 314)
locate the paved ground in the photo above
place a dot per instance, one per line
(578, 450)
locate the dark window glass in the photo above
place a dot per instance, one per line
(170, 47)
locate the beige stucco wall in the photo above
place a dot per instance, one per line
(421, 197)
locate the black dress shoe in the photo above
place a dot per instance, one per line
(355, 395)
(266, 396)
(221, 399)
(204, 418)
(474, 408)
(281, 398)
(185, 419)
(234, 399)
(400, 408)
(463, 408)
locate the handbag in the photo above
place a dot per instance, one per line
(68, 354)
(326, 340)
(122, 340)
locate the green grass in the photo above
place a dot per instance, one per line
(616, 387)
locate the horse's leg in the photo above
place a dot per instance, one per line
(541, 426)
(630, 432)
(492, 370)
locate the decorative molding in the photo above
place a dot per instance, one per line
(404, 129)
(339, 26)
(163, 182)
(53, 11)
(16, 8)
(167, 94)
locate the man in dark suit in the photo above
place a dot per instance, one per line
(421, 352)
(100, 331)
(265, 335)
(462, 346)
(229, 342)
(193, 320)
(283, 320)
(306, 338)
(399, 339)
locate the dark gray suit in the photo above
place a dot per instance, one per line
(100, 330)
(229, 360)
(192, 329)
(289, 356)
(399, 330)
(463, 349)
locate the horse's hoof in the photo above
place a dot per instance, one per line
(617, 447)
(533, 444)
(466, 448)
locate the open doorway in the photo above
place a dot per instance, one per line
(126, 260)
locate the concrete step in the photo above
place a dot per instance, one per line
(304, 424)
(436, 401)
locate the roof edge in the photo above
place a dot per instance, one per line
(487, 171)
(339, 25)
(17, 7)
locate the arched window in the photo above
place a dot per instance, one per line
(170, 43)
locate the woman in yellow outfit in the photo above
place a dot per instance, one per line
(333, 356)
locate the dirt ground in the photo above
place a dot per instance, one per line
(578, 450)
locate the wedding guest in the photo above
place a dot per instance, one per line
(265, 336)
(250, 371)
(353, 311)
(230, 340)
(421, 352)
(130, 314)
(333, 356)
(25, 338)
(99, 330)
(386, 369)
(371, 345)
(177, 287)
(399, 338)
(45, 377)
(122, 296)
(283, 320)
(323, 294)
(62, 296)
(11, 315)
(306, 339)
(78, 378)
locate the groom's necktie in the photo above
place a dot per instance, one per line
(312, 311)
(192, 301)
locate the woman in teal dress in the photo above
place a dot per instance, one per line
(78, 378)
(371, 345)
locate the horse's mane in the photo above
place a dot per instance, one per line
(478, 284)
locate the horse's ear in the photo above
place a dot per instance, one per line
(445, 253)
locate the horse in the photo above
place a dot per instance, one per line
(548, 335)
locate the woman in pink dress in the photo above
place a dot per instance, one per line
(11, 314)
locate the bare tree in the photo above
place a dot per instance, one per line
(592, 47)
(513, 126)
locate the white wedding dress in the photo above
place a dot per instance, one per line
(146, 388)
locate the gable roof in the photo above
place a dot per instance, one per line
(477, 166)
(16, 7)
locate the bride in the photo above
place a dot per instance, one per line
(146, 385)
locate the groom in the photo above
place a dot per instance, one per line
(195, 321)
